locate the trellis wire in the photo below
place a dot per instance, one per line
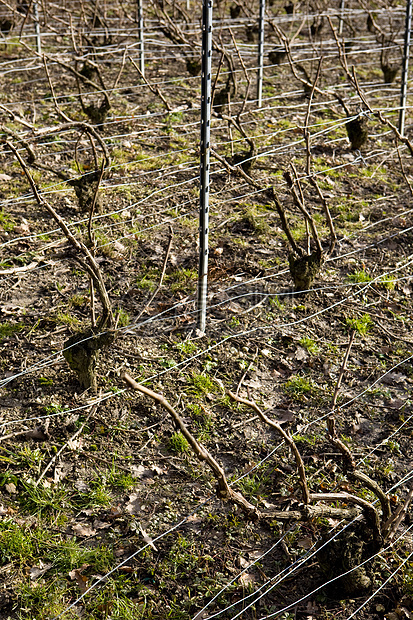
(360, 291)
(389, 578)
(111, 572)
(323, 585)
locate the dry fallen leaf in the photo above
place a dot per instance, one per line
(80, 579)
(38, 434)
(282, 416)
(115, 512)
(396, 403)
(139, 471)
(194, 519)
(253, 383)
(81, 486)
(301, 354)
(119, 247)
(82, 529)
(305, 542)
(268, 505)
(246, 579)
(100, 525)
(74, 444)
(134, 504)
(393, 378)
(23, 228)
(158, 470)
(148, 540)
(37, 571)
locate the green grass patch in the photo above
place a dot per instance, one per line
(359, 277)
(361, 325)
(310, 345)
(178, 444)
(8, 329)
(298, 386)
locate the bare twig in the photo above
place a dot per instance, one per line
(394, 521)
(93, 205)
(368, 508)
(343, 368)
(13, 270)
(214, 86)
(284, 223)
(56, 106)
(16, 118)
(56, 456)
(306, 131)
(246, 372)
(350, 465)
(333, 236)
(29, 148)
(25, 18)
(300, 204)
(13, 435)
(153, 88)
(376, 489)
(351, 76)
(235, 169)
(122, 66)
(247, 77)
(89, 263)
(405, 177)
(311, 512)
(156, 291)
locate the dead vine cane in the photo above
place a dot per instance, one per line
(351, 76)
(158, 288)
(88, 262)
(223, 491)
(379, 529)
(311, 511)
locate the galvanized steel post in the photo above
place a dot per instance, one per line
(405, 66)
(341, 18)
(204, 162)
(37, 27)
(141, 41)
(260, 52)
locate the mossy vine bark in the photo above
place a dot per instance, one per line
(81, 353)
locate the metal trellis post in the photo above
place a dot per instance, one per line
(141, 41)
(204, 162)
(405, 66)
(37, 27)
(261, 52)
(341, 18)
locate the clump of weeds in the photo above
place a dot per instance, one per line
(361, 325)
